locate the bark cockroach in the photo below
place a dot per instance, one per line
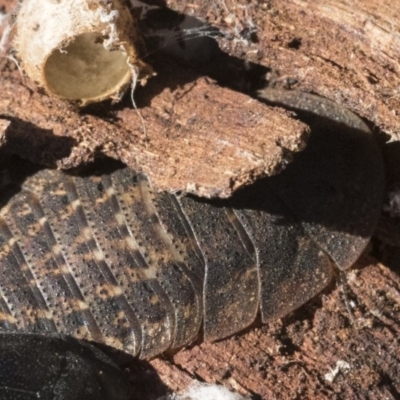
(99, 255)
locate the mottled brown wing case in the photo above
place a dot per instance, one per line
(100, 256)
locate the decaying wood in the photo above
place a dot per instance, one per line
(347, 51)
(199, 138)
(189, 133)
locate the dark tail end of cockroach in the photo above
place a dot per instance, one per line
(34, 366)
(335, 187)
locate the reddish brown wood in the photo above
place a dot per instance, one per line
(347, 51)
(189, 134)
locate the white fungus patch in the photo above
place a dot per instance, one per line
(204, 391)
(393, 207)
(342, 367)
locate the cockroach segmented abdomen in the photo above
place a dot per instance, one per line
(99, 255)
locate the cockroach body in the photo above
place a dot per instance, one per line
(97, 255)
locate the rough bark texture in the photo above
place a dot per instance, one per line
(185, 129)
(347, 51)
(189, 133)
